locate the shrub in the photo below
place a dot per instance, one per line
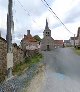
(27, 60)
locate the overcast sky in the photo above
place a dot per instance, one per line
(35, 14)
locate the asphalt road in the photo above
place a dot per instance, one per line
(62, 71)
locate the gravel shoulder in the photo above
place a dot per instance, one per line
(37, 83)
(19, 83)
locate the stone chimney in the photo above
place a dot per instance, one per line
(28, 32)
(24, 36)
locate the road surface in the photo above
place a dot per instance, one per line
(62, 72)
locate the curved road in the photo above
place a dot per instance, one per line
(62, 71)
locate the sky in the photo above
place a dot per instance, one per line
(32, 14)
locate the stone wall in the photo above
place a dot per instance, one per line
(3, 59)
(18, 55)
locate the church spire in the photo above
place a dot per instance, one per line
(46, 27)
(0, 33)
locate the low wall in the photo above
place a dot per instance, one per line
(17, 56)
(3, 59)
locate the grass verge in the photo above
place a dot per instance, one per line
(77, 51)
(18, 69)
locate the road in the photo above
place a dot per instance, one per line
(62, 71)
(62, 74)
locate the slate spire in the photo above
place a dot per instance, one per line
(46, 27)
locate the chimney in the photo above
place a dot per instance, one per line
(24, 36)
(28, 32)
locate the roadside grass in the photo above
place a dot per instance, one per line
(37, 58)
(77, 51)
(18, 69)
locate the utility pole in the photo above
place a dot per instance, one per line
(9, 40)
(74, 40)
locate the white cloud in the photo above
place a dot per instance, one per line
(62, 6)
(3, 18)
(38, 13)
(62, 33)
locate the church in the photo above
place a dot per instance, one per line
(47, 42)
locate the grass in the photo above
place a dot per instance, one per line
(36, 58)
(18, 69)
(77, 51)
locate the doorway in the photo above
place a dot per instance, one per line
(48, 47)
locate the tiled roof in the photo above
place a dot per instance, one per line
(66, 41)
(29, 38)
(58, 41)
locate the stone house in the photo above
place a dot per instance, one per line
(77, 39)
(72, 41)
(78, 36)
(58, 43)
(67, 43)
(47, 42)
(29, 42)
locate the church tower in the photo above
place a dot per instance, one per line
(47, 31)
(47, 42)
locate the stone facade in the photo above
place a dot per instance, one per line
(47, 42)
(76, 40)
(58, 43)
(3, 54)
(72, 41)
(17, 55)
(67, 43)
(78, 35)
(29, 42)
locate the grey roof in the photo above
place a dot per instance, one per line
(72, 38)
(66, 41)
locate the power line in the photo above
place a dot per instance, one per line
(45, 5)
(56, 16)
(23, 8)
(26, 11)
